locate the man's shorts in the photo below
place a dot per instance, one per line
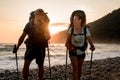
(37, 53)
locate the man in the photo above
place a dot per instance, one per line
(36, 42)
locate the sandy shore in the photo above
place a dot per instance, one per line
(106, 69)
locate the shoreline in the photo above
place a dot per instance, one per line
(104, 69)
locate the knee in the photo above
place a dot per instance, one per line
(26, 64)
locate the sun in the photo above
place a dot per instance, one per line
(53, 30)
(57, 29)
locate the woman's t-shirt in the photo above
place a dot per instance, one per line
(78, 39)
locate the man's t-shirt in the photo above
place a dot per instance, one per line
(26, 29)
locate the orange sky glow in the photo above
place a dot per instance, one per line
(54, 30)
(15, 13)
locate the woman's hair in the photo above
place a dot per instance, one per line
(81, 15)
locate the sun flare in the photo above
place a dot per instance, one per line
(57, 29)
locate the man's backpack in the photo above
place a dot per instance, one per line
(37, 37)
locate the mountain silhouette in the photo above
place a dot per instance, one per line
(107, 28)
(103, 30)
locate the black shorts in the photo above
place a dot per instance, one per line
(37, 53)
(73, 53)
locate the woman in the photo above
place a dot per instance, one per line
(76, 42)
(35, 48)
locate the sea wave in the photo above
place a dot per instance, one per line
(57, 54)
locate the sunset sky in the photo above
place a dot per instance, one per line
(14, 14)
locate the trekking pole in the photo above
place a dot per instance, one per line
(91, 65)
(49, 61)
(15, 52)
(66, 65)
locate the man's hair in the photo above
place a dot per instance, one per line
(32, 16)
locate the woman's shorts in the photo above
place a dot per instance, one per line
(72, 53)
(37, 53)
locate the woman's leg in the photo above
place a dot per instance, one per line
(80, 62)
(26, 69)
(74, 63)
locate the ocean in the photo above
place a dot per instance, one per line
(57, 55)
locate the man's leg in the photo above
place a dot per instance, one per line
(26, 69)
(41, 71)
(40, 61)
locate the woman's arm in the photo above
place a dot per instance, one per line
(92, 47)
(67, 40)
(68, 43)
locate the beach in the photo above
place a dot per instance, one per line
(105, 69)
(105, 65)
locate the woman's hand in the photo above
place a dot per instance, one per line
(92, 47)
(70, 47)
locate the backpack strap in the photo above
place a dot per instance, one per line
(85, 43)
(72, 31)
(85, 32)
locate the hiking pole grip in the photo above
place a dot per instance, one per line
(14, 49)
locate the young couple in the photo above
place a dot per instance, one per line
(38, 36)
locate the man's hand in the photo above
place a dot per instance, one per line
(15, 49)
